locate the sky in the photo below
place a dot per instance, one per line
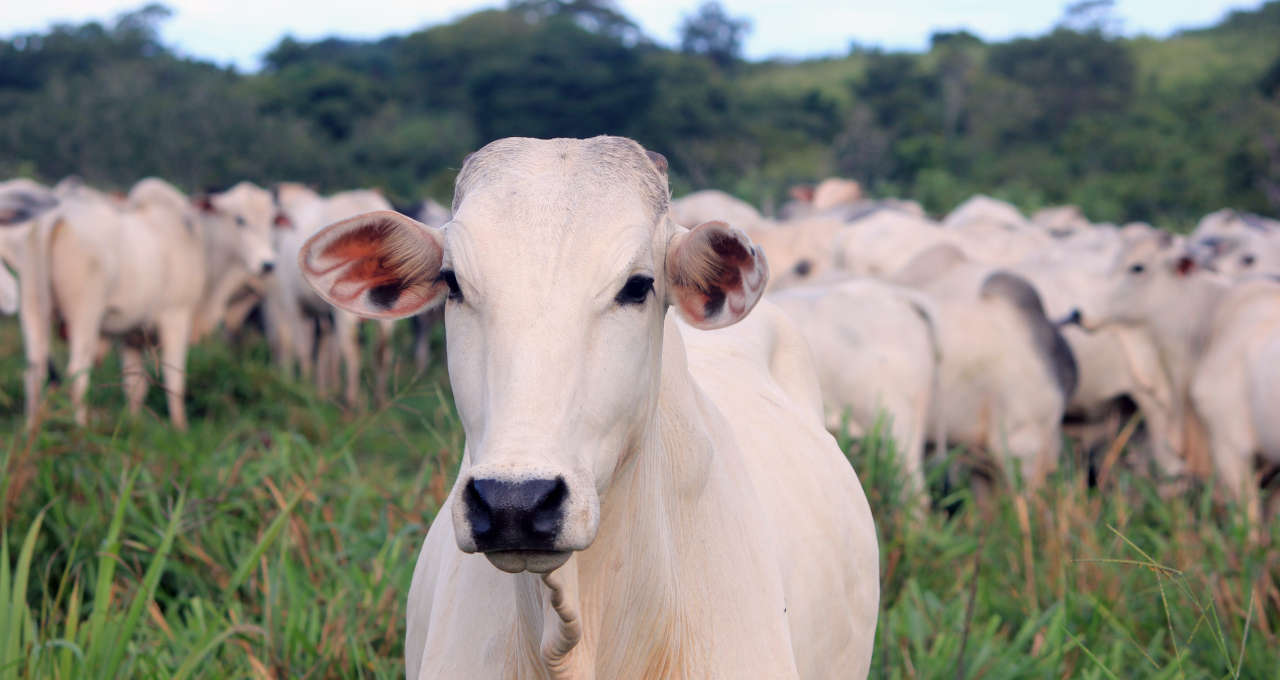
(240, 31)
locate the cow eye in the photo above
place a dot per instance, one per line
(240, 221)
(450, 280)
(1247, 260)
(1137, 268)
(635, 291)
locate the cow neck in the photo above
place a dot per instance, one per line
(1182, 337)
(622, 608)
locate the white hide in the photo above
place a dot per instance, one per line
(140, 267)
(998, 390)
(875, 349)
(710, 204)
(1236, 387)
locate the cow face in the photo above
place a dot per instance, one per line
(556, 274)
(244, 217)
(1146, 277)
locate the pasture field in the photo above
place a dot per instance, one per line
(277, 539)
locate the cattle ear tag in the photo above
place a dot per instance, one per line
(715, 275)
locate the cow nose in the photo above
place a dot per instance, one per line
(268, 267)
(511, 515)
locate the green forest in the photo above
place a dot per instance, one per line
(1161, 130)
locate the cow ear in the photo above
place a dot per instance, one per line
(379, 265)
(17, 207)
(714, 275)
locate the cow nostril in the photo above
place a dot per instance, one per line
(268, 267)
(546, 514)
(478, 511)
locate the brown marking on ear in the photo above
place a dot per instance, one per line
(282, 221)
(204, 203)
(1185, 265)
(382, 259)
(802, 192)
(711, 262)
(659, 161)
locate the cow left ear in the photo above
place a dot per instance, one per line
(715, 275)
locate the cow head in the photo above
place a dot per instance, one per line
(1146, 277)
(556, 273)
(243, 217)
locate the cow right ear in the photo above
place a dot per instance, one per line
(379, 265)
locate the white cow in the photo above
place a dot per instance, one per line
(883, 242)
(293, 310)
(713, 204)
(1218, 342)
(1237, 245)
(127, 272)
(877, 354)
(658, 501)
(1115, 361)
(1006, 372)
(1236, 387)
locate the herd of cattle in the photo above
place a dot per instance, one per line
(156, 266)
(988, 330)
(985, 330)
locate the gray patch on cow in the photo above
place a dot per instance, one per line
(17, 207)
(1049, 342)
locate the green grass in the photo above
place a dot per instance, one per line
(277, 539)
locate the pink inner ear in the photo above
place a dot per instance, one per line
(362, 250)
(717, 274)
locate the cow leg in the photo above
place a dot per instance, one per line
(1035, 447)
(1171, 470)
(421, 343)
(382, 378)
(422, 327)
(83, 327)
(175, 334)
(134, 377)
(346, 333)
(35, 344)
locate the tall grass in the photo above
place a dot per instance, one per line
(277, 539)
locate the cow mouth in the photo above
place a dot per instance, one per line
(536, 561)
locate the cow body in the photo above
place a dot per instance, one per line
(1006, 373)
(875, 348)
(157, 284)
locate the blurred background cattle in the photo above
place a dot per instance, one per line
(1039, 277)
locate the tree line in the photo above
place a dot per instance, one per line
(1127, 128)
